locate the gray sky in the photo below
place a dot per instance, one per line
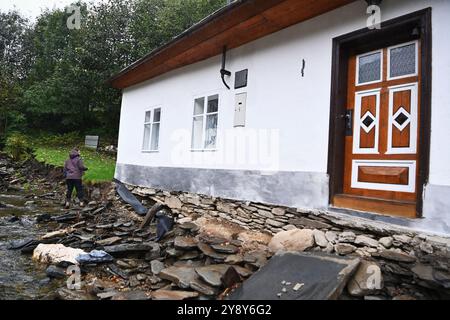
(32, 8)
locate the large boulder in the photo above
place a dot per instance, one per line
(293, 240)
(56, 253)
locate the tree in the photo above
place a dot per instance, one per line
(14, 65)
(179, 15)
(57, 78)
(56, 95)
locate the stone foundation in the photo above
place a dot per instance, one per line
(418, 263)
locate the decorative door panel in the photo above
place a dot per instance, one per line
(366, 128)
(397, 176)
(403, 119)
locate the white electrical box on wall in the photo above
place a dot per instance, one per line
(240, 109)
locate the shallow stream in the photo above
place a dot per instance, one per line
(20, 277)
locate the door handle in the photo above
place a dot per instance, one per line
(348, 122)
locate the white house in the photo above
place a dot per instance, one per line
(324, 110)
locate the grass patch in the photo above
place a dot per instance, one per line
(101, 166)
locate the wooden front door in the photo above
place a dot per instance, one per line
(382, 143)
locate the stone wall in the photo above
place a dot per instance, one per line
(411, 262)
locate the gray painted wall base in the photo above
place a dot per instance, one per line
(436, 208)
(306, 190)
(291, 189)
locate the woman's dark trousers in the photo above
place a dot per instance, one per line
(74, 184)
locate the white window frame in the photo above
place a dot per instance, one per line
(416, 73)
(204, 116)
(380, 51)
(151, 123)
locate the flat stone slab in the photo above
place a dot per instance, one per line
(397, 256)
(222, 248)
(234, 259)
(130, 248)
(203, 288)
(185, 243)
(213, 274)
(210, 252)
(72, 295)
(109, 241)
(190, 226)
(181, 276)
(190, 255)
(315, 276)
(56, 272)
(132, 295)
(19, 244)
(173, 295)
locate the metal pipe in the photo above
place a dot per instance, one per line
(223, 71)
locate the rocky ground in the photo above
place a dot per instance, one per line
(201, 260)
(202, 257)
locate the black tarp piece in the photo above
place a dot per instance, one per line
(316, 276)
(129, 198)
(163, 226)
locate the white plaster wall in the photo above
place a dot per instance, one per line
(278, 97)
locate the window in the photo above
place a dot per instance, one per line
(403, 60)
(204, 127)
(369, 68)
(151, 130)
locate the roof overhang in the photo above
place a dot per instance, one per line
(232, 26)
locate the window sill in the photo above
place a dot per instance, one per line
(204, 150)
(150, 151)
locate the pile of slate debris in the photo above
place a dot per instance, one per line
(126, 252)
(118, 251)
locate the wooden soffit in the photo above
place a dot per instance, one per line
(234, 25)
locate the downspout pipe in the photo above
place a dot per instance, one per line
(224, 72)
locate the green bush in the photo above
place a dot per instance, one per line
(59, 140)
(18, 147)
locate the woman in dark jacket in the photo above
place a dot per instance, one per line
(73, 171)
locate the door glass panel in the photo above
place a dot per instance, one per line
(403, 60)
(369, 68)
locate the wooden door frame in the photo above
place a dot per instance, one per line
(392, 32)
